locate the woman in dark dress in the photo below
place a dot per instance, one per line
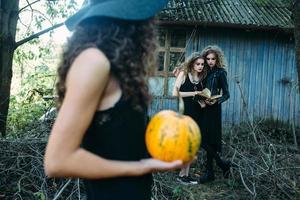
(216, 82)
(99, 131)
(189, 82)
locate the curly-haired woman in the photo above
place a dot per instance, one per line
(216, 82)
(99, 131)
(189, 82)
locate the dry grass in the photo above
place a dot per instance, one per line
(268, 168)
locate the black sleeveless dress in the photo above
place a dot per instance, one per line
(191, 106)
(118, 134)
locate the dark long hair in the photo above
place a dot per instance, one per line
(130, 48)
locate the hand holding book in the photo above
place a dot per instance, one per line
(206, 94)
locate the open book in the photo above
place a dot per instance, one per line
(207, 95)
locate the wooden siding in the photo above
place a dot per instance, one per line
(162, 103)
(263, 63)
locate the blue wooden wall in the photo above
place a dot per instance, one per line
(263, 62)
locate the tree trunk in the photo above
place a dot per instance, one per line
(8, 22)
(296, 18)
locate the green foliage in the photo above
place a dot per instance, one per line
(43, 14)
(61, 9)
(178, 192)
(28, 105)
(35, 62)
(40, 195)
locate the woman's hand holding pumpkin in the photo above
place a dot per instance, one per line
(153, 165)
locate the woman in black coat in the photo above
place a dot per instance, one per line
(216, 82)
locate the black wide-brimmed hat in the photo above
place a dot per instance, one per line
(119, 9)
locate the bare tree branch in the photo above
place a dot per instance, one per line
(31, 16)
(21, 22)
(36, 35)
(28, 5)
(62, 189)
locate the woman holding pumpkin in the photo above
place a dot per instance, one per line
(99, 131)
(189, 83)
(216, 82)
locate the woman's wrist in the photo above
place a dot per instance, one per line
(140, 168)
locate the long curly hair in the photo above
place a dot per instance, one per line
(130, 48)
(220, 58)
(188, 65)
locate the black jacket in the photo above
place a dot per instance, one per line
(215, 81)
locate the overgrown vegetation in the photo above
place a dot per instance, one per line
(268, 167)
(31, 103)
(27, 20)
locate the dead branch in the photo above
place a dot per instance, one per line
(36, 35)
(28, 5)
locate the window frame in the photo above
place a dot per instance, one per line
(167, 49)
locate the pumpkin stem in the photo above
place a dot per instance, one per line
(181, 103)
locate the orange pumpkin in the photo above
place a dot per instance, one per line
(172, 136)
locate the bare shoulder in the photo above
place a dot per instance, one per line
(90, 64)
(181, 77)
(92, 57)
(181, 74)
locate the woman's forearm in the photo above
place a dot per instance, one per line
(187, 94)
(84, 164)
